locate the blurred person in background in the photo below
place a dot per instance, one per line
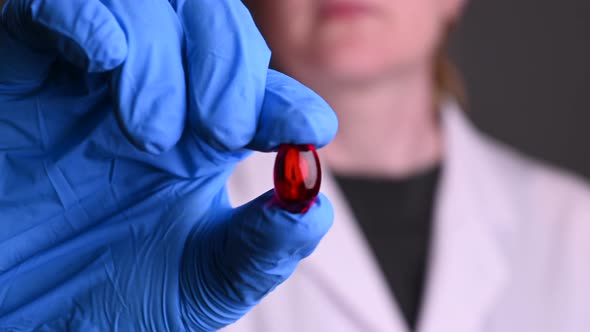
(437, 226)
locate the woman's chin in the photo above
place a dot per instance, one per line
(350, 69)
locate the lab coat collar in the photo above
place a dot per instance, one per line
(466, 269)
(467, 266)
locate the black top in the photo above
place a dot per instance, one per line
(396, 218)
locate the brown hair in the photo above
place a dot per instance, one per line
(446, 76)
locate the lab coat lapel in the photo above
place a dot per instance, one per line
(347, 272)
(467, 269)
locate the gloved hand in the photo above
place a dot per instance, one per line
(98, 235)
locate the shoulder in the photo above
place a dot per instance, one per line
(534, 200)
(549, 206)
(556, 191)
(501, 169)
(548, 239)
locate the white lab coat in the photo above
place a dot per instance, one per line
(511, 251)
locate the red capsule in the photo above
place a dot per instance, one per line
(297, 177)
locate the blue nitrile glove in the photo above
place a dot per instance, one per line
(96, 235)
(149, 88)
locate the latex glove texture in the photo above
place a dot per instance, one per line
(113, 206)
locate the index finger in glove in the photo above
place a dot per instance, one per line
(292, 113)
(150, 87)
(227, 62)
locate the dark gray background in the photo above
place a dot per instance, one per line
(526, 65)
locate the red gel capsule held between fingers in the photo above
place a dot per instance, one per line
(297, 177)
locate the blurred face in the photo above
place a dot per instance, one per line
(335, 41)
